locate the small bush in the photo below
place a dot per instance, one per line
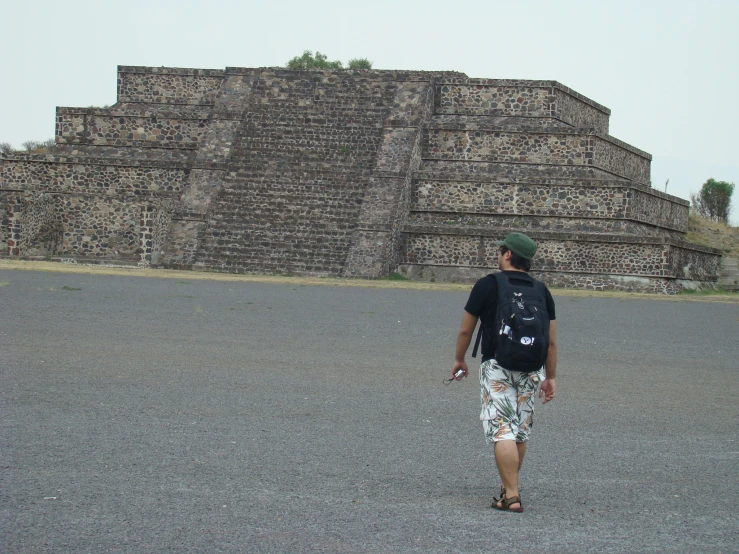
(40, 146)
(31, 145)
(309, 61)
(359, 63)
(320, 61)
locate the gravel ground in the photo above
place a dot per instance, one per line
(173, 415)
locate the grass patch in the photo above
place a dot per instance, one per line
(713, 234)
(4, 283)
(704, 292)
(395, 277)
(65, 287)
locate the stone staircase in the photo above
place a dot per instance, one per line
(296, 176)
(728, 277)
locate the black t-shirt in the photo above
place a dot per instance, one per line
(483, 303)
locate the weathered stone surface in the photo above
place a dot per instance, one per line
(530, 99)
(567, 254)
(154, 85)
(354, 173)
(551, 147)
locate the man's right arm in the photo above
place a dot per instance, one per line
(466, 329)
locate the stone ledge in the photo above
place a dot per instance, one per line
(553, 235)
(123, 195)
(137, 112)
(215, 166)
(568, 217)
(167, 102)
(141, 69)
(189, 215)
(520, 122)
(130, 143)
(576, 131)
(492, 168)
(553, 181)
(83, 160)
(421, 175)
(386, 75)
(502, 126)
(558, 279)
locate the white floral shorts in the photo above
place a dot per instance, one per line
(507, 402)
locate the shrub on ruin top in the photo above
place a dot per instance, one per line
(308, 60)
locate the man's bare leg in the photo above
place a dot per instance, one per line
(508, 462)
(521, 446)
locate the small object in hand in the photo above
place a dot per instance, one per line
(457, 375)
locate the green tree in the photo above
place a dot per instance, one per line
(714, 200)
(309, 61)
(359, 63)
(321, 61)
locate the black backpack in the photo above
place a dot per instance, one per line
(521, 324)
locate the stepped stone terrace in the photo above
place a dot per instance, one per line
(348, 174)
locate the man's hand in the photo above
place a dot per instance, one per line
(457, 366)
(548, 390)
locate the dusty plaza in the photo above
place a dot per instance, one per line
(188, 414)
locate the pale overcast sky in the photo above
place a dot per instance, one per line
(667, 69)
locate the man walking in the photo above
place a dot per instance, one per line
(508, 393)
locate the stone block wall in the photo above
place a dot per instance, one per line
(556, 205)
(101, 177)
(119, 128)
(353, 173)
(8, 206)
(155, 85)
(563, 148)
(61, 207)
(563, 253)
(45, 225)
(612, 258)
(526, 99)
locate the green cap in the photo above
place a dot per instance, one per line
(520, 244)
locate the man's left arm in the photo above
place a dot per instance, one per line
(549, 387)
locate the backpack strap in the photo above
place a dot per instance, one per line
(523, 276)
(477, 340)
(479, 330)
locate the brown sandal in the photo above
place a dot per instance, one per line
(501, 497)
(506, 504)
